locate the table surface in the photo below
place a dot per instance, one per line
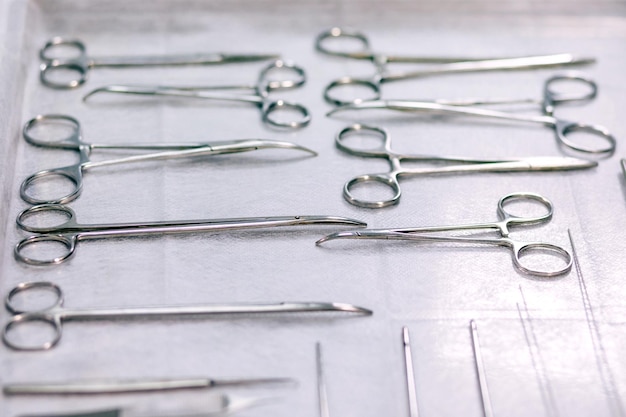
(550, 347)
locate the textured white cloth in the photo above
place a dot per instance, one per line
(559, 363)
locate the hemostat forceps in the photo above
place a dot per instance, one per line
(72, 175)
(444, 65)
(69, 233)
(521, 251)
(79, 64)
(260, 96)
(465, 165)
(55, 315)
(550, 100)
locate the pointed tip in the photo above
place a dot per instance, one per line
(350, 308)
(305, 149)
(405, 336)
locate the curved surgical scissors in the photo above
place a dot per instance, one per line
(80, 64)
(447, 65)
(466, 165)
(72, 175)
(551, 99)
(260, 97)
(519, 249)
(56, 314)
(69, 232)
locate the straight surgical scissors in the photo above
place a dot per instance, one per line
(520, 250)
(466, 165)
(551, 99)
(68, 233)
(449, 65)
(80, 64)
(72, 175)
(55, 315)
(260, 96)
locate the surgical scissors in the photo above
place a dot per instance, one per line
(260, 94)
(68, 233)
(447, 65)
(551, 99)
(519, 249)
(55, 315)
(80, 64)
(33, 188)
(465, 165)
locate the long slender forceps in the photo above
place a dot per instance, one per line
(521, 251)
(67, 234)
(54, 69)
(55, 315)
(88, 387)
(258, 94)
(443, 65)
(217, 405)
(551, 99)
(36, 190)
(465, 165)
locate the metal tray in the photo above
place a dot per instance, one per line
(550, 347)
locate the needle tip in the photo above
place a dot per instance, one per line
(405, 336)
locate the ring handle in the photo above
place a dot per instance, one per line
(552, 97)
(47, 78)
(385, 179)
(55, 43)
(526, 249)
(273, 108)
(66, 226)
(71, 142)
(71, 175)
(68, 242)
(336, 33)
(356, 129)
(348, 81)
(30, 286)
(563, 128)
(23, 319)
(514, 219)
(267, 85)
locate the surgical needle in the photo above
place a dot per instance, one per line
(410, 375)
(480, 369)
(321, 383)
